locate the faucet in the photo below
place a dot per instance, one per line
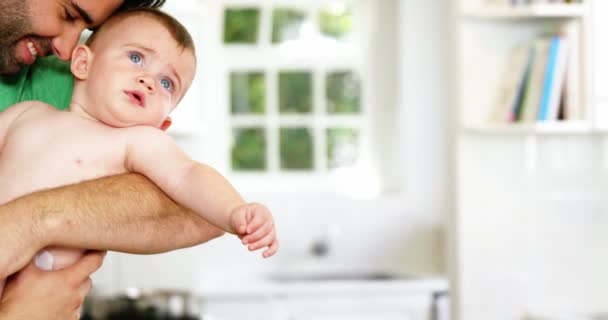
(323, 245)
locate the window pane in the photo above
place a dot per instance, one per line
(296, 148)
(342, 147)
(295, 92)
(336, 21)
(241, 25)
(343, 93)
(286, 24)
(247, 92)
(249, 149)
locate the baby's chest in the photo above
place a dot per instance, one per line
(65, 155)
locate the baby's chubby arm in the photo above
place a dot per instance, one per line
(198, 187)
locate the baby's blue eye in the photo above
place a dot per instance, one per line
(166, 84)
(135, 57)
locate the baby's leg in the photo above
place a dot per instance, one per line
(2, 287)
(55, 258)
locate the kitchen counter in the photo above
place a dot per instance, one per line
(276, 285)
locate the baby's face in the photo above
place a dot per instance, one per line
(138, 73)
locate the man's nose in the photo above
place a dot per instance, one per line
(63, 44)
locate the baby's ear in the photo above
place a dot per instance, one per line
(81, 61)
(166, 124)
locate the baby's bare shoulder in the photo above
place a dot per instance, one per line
(31, 107)
(146, 136)
(145, 132)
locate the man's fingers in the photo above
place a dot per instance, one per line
(89, 263)
(85, 287)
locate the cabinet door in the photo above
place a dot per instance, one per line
(600, 45)
(359, 308)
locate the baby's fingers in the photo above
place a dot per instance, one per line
(272, 249)
(259, 216)
(258, 233)
(265, 241)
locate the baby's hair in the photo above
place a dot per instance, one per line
(179, 33)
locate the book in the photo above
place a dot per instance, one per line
(573, 104)
(554, 79)
(520, 95)
(531, 103)
(509, 91)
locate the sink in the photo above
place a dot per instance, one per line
(337, 276)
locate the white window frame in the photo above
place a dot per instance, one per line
(217, 61)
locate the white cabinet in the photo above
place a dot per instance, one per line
(600, 61)
(321, 307)
(529, 197)
(600, 49)
(387, 307)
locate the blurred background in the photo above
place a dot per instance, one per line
(368, 128)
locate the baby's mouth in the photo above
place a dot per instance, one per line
(136, 97)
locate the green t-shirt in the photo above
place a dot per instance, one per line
(48, 80)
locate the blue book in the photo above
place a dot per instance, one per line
(543, 112)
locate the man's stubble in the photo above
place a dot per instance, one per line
(14, 25)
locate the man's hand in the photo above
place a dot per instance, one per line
(50, 295)
(254, 224)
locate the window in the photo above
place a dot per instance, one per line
(298, 108)
(292, 81)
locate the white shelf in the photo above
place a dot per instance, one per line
(541, 128)
(529, 11)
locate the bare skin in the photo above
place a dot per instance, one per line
(142, 73)
(58, 294)
(138, 218)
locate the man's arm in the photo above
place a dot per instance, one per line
(124, 213)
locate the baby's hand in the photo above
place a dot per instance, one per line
(254, 224)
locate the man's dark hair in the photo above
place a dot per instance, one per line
(130, 4)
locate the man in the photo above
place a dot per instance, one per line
(123, 213)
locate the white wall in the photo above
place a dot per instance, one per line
(403, 230)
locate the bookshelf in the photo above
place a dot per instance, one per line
(529, 194)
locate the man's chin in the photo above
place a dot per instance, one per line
(7, 69)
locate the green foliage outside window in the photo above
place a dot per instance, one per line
(342, 147)
(336, 24)
(286, 24)
(296, 149)
(249, 149)
(343, 92)
(295, 92)
(241, 25)
(247, 92)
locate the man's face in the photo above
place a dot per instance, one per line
(34, 28)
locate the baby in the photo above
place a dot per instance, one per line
(127, 79)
